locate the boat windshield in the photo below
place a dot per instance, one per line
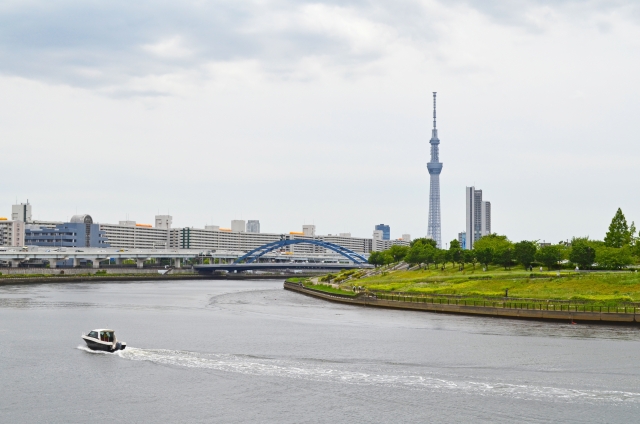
(93, 334)
(106, 336)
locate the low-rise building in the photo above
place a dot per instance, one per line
(79, 232)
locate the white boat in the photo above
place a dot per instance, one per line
(104, 340)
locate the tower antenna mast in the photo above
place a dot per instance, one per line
(435, 167)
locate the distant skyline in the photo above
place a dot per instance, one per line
(297, 112)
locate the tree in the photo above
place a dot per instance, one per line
(439, 257)
(455, 252)
(376, 259)
(495, 241)
(447, 257)
(428, 254)
(424, 241)
(613, 258)
(469, 257)
(398, 252)
(525, 252)
(484, 255)
(505, 256)
(618, 234)
(582, 253)
(415, 254)
(549, 255)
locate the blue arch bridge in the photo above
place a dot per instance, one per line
(251, 260)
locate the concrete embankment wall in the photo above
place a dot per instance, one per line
(603, 317)
(85, 271)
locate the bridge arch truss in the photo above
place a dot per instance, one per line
(257, 253)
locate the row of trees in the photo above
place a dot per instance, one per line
(620, 247)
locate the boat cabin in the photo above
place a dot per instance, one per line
(103, 335)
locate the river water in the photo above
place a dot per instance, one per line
(239, 351)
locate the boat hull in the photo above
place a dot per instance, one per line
(103, 346)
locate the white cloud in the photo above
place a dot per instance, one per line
(287, 111)
(169, 48)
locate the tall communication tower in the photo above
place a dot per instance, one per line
(435, 167)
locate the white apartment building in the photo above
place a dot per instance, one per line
(216, 238)
(131, 235)
(478, 217)
(11, 232)
(378, 243)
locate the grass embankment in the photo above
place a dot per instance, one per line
(320, 286)
(599, 288)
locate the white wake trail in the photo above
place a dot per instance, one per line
(301, 370)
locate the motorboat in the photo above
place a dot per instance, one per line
(104, 340)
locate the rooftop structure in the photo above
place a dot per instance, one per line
(21, 212)
(238, 226)
(253, 226)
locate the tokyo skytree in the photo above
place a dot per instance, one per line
(435, 167)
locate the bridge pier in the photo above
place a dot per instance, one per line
(140, 263)
(96, 263)
(177, 263)
(76, 262)
(117, 261)
(53, 263)
(14, 263)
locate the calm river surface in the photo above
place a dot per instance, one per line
(239, 351)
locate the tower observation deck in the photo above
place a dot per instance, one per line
(434, 167)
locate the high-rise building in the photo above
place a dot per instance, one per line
(21, 212)
(478, 216)
(435, 167)
(386, 231)
(253, 226)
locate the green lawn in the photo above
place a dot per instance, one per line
(609, 287)
(329, 289)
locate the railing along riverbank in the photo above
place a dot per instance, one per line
(528, 310)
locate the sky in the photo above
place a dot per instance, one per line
(295, 112)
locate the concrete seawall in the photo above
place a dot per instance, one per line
(535, 314)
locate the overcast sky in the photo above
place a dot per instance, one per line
(296, 112)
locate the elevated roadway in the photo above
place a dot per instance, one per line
(13, 256)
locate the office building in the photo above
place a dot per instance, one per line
(253, 226)
(386, 231)
(435, 168)
(478, 216)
